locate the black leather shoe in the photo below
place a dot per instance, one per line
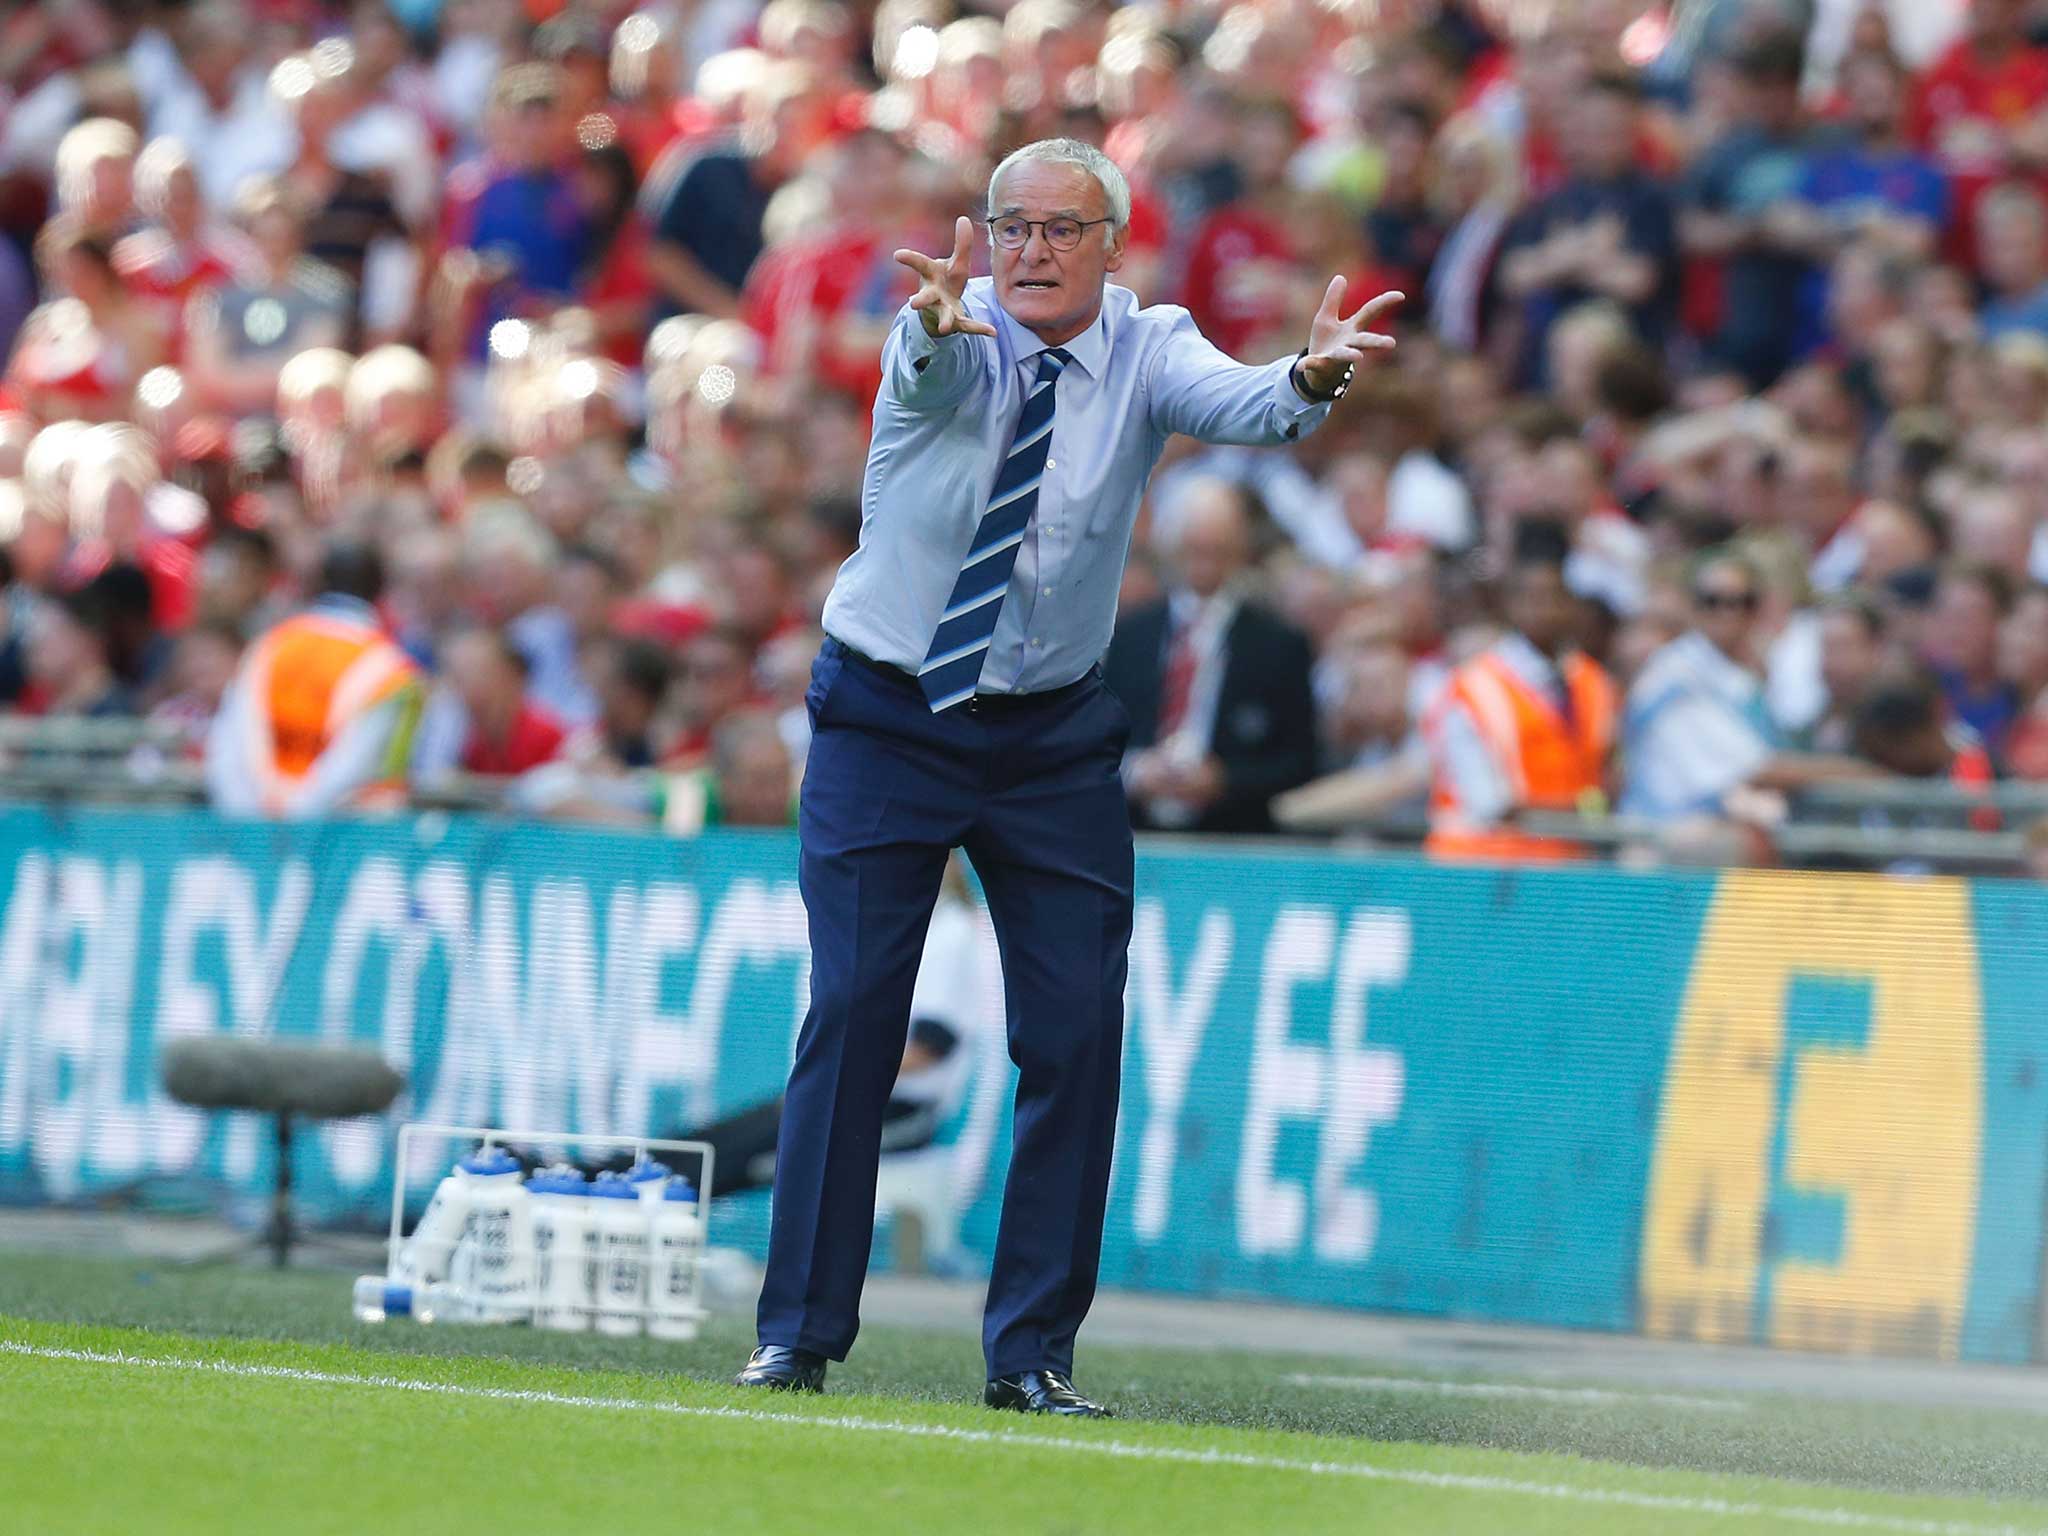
(1042, 1392)
(783, 1370)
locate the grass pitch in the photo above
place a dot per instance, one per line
(142, 1399)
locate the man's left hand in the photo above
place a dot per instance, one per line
(1337, 344)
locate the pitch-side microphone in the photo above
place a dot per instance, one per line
(279, 1077)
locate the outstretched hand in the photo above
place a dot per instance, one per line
(1337, 343)
(938, 301)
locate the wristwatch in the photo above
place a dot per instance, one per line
(1300, 381)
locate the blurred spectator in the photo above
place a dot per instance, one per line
(1528, 724)
(1222, 714)
(712, 200)
(321, 712)
(2012, 224)
(1960, 643)
(182, 250)
(2023, 664)
(1900, 727)
(747, 782)
(1731, 201)
(79, 356)
(714, 683)
(1605, 232)
(71, 652)
(1697, 725)
(507, 733)
(1852, 654)
(201, 669)
(241, 334)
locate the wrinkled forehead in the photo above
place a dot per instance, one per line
(1043, 189)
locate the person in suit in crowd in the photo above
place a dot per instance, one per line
(1217, 686)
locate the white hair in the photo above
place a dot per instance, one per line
(1116, 192)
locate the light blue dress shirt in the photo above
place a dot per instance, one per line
(941, 434)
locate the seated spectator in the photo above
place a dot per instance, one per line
(241, 335)
(1902, 728)
(1373, 734)
(747, 782)
(507, 732)
(1960, 644)
(79, 356)
(632, 681)
(2012, 235)
(714, 682)
(1697, 725)
(1852, 655)
(182, 251)
(201, 668)
(71, 657)
(2023, 663)
(95, 179)
(1222, 711)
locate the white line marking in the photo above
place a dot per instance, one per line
(1513, 1391)
(1120, 1450)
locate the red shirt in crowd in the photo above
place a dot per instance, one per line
(535, 738)
(1964, 113)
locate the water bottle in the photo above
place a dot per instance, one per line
(378, 1297)
(562, 1249)
(620, 1223)
(676, 1239)
(494, 1260)
(428, 1253)
(648, 1179)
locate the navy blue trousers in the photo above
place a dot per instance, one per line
(1030, 787)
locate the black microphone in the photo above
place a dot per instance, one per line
(325, 1082)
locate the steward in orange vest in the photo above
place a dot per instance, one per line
(1528, 724)
(321, 713)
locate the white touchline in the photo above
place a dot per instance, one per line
(1124, 1450)
(1514, 1390)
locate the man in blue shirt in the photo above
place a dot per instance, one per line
(958, 702)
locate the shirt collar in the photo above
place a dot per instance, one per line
(1089, 350)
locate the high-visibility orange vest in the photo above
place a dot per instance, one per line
(310, 676)
(1551, 763)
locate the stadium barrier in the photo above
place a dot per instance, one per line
(1799, 1110)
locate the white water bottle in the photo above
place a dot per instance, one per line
(428, 1253)
(494, 1261)
(676, 1242)
(648, 1178)
(561, 1249)
(620, 1224)
(378, 1298)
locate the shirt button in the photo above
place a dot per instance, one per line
(1038, 645)
(1045, 591)
(1052, 463)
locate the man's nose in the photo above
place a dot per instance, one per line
(1037, 248)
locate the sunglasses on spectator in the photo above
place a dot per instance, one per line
(1733, 602)
(1062, 234)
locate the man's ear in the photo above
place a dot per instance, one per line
(1117, 241)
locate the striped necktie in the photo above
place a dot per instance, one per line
(952, 665)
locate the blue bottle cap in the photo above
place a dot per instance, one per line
(485, 1163)
(613, 1186)
(561, 1180)
(680, 1188)
(397, 1299)
(647, 1169)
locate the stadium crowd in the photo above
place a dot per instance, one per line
(533, 345)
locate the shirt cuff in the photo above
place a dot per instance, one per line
(1297, 415)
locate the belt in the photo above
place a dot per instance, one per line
(980, 703)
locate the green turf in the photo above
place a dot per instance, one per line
(229, 1436)
(1868, 1446)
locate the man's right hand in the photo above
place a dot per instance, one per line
(938, 301)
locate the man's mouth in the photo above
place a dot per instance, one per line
(1036, 282)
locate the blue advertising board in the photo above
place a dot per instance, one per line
(1790, 1109)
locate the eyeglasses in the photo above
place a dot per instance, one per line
(1732, 602)
(1062, 234)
